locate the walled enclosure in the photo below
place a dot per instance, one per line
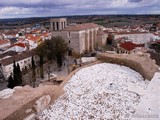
(21, 104)
(140, 63)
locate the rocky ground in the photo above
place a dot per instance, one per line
(102, 91)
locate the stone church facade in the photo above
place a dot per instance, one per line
(80, 37)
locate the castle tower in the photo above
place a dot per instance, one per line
(58, 23)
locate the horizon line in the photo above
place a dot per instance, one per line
(83, 15)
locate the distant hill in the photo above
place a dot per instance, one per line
(105, 20)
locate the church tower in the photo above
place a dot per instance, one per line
(58, 23)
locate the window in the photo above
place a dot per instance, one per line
(69, 34)
(57, 25)
(69, 41)
(25, 67)
(62, 25)
(53, 26)
(28, 59)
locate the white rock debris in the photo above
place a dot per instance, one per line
(6, 93)
(88, 59)
(42, 102)
(100, 92)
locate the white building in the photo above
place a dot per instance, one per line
(135, 37)
(33, 40)
(23, 59)
(1, 36)
(18, 47)
(46, 36)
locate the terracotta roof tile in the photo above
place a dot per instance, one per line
(4, 41)
(19, 44)
(33, 38)
(130, 46)
(45, 34)
(36, 31)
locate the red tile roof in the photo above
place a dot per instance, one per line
(79, 27)
(19, 44)
(28, 35)
(36, 31)
(4, 41)
(130, 46)
(45, 34)
(32, 38)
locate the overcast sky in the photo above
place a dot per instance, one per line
(41, 8)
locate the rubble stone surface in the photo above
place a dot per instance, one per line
(102, 91)
(42, 102)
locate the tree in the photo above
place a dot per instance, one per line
(33, 72)
(15, 74)
(41, 49)
(50, 50)
(53, 49)
(59, 60)
(41, 67)
(16, 80)
(11, 83)
(14, 71)
(19, 75)
(59, 49)
(41, 52)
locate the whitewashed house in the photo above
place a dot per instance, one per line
(135, 37)
(46, 36)
(129, 47)
(1, 36)
(23, 59)
(18, 47)
(33, 40)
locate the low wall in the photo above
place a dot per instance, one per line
(140, 63)
(26, 102)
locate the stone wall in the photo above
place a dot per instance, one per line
(140, 63)
(26, 102)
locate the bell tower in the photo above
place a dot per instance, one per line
(58, 23)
